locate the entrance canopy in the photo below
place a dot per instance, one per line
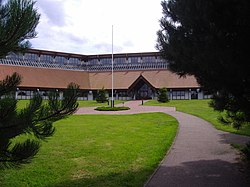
(141, 89)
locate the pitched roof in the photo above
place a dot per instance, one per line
(58, 78)
(46, 78)
(157, 78)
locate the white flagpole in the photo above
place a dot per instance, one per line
(112, 97)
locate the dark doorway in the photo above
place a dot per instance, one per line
(141, 89)
(194, 95)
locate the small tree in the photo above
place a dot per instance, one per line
(163, 95)
(101, 96)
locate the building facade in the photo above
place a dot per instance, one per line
(136, 75)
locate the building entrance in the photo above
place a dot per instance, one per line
(141, 89)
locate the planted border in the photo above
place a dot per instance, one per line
(112, 108)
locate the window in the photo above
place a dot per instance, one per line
(120, 60)
(74, 61)
(93, 61)
(134, 60)
(46, 58)
(178, 95)
(105, 61)
(15, 56)
(149, 59)
(61, 60)
(30, 56)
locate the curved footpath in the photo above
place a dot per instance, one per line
(200, 156)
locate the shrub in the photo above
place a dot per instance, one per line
(163, 95)
(246, 151)
(101, 96)
(112, 108)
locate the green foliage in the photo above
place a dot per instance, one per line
(36, 119)
(235, 119)
(18, 20)
(246, 151)
(101, 96)
(98, 150)
(163, 95)
(112, 108)
(208, 39)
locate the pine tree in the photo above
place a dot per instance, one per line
(18, 20)
(33, 123)
(208, 39)
(101, 96)
(163, 95)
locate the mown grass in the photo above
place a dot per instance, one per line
(93, 103)
(201, 109)
(98, 150)
(89, 103)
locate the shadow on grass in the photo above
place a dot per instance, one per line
(126, 178)
(201, 173)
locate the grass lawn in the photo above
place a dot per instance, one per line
(201, 109)
(23, 103)
(95, 104)
(98, 150)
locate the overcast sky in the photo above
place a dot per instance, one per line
(85, 26)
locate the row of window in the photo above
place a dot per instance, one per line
(44, 58)
(103, 61)
(42, 64)
(130, 60)
(128, 67)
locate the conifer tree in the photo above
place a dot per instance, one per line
(101, 96)
(21, 131)
(18, 20)
(163, 95)
(209, 39)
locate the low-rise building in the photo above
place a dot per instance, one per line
(135, 75)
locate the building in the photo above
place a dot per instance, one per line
(136, 75)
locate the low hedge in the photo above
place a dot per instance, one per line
(112, 108)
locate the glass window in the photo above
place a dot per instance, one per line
(93, 61)
(178, 94)
(30, 56)
(61, 60)
(134, 60)
(120, 60)
(106, 61)
(14, 56)
(148, 59)
(46, 58)
(74, 61)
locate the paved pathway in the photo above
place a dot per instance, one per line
(200, 155)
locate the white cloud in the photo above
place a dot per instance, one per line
(53, 10)
(84, 26)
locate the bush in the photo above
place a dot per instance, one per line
(112, 108)
(246, 151)
(163, 95)
(101, 96)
